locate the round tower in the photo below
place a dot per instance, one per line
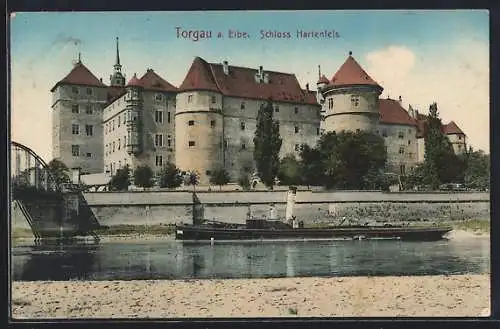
(134, 119)
(351, 99)
(199, 123)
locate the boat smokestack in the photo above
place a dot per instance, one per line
(290, 202)
(273, 215)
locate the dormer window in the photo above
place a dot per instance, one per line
(190, 98)
(330, 103)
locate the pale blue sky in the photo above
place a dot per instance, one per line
(44, 44)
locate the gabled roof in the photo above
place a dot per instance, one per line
(152, 81)
(80, 75)
(134, 82)
(351, 73)
(452, 129)
(241, 82)
(323, 79)
(391, 112)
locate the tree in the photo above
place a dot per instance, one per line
(219, 177)
(143, 176)
(170, 176)
(121, 180)
(311, 166)
(441, 165)
(59, 171)
(289, 172)
(477, 172)
(267, 145)
(347, 157)
(244, 180)
(192, 178)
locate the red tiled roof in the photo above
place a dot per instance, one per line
(240, 82)
(134, 82)
(323, 79)
(153, 81)
(80, 75)
(452, 129)
(391, 112)
(351, 73)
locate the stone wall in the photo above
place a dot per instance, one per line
(152, 208)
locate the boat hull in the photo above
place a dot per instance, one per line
(188, 232)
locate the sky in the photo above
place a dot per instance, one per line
(422, 56)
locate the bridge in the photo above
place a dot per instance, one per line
(53, 208)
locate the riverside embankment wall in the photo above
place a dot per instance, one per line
(168, 207)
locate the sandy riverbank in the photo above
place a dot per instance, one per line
(460, 295)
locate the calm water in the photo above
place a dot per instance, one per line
(177, 260)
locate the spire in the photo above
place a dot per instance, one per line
(117, 54)
(79, 58)
(319, 71)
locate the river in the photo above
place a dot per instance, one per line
(170, 259)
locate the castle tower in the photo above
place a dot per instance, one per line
(77, 134)
(199, 142)
(134, 118)
(351, 99)
(117, 79)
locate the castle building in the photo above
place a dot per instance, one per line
(216, 114)
(209, 121)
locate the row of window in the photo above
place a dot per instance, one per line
(76, 90)
(113, 165)
(76, 152)
(354, 102)
(243, 126)
(75, 109)
(122, 119)
(89, 129)
(114, 146)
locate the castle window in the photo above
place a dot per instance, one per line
(159, 140)
(409, 142)
(214, 99)
(89, 130)
(89, 155)
(242, 125)
(243, 146)
(277, 109)
(191, 143)
(242, 106)
(296, 129)
(75, 90)
(119, 120)
(158, 97)
(191, 123)
(401, 150)
(89, 91)
(113, 124)
(88, 109)
(168, 117)
(384, 133)
(297, 147)
(354, 101)
(124, 141)
(278, 124)
(190, 98)
(330, 103)
(159, 160)
(402, 169)
(459, 137)
(225, 143)
(119, 143)
(75, 129)
(75, 109)
(169, 140)
(159, 116)
(124, 118)
(212, 123)
(296, 110)
(401, 134)
(113, 147)
(75, 150)
(317, 131)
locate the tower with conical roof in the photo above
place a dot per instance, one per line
(77, 134)
(350, 99)
(117, 79)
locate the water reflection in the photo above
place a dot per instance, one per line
(177, 260)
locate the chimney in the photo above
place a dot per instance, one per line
(400, 100)
(266, 78)
(225, 67)
(100, 79)
(261, 75)
(307, 86)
